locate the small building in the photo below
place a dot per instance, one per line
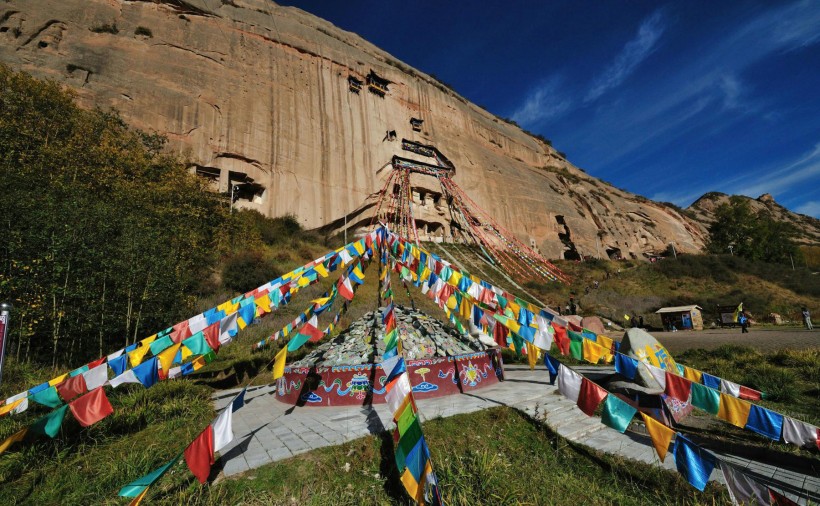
(681, 317)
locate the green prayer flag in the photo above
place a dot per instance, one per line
(47, 397)
(137, 486)
(165, 332)
(501, 301)
(576, 349)
(405, 418)
(75, 372)
(617, 414)
(410, 437)
(705, 398)
(297, 341)
(518, 342)
(161, 344)
(209, 357)
(49, 425)
(197, 344)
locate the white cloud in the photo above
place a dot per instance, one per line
(778, 180)
(546, 101)
(634, 52)
(811, 208)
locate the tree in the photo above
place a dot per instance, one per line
(754, 235)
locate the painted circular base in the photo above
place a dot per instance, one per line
(351, 385)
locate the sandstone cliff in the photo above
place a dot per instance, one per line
(259, 94)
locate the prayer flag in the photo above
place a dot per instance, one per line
(705, 398)
(778, 499)
(279, 363)
(626, 366)
(91, 408)
(49, 425)
(658, 374)
(552, 366)
(197, 344)
(532, 356)
(569, 383)
(693, 462)
(737, 312)
(59, 379)
(393, 367)
(743, 489)
(397, 391)
(228, 328)
(800, 433)
(543, 338)
(727, 387)
(118, 364)
(592, 352)
(211, 333)
(72, 387)
(764, 422)
(199, 455)
(140, 485)
(14, 438)
(239, 400)
(166, 358)
(96, 377)
(750, 394)
(223, 429)
(47, 397)
(617, 413)
(357, 275)
(246, 315)
(607, 344)
(710, 381)
(692, 375)
(733, 410)
(561, 339)
(661, 435)
(161, 344)
(146, 373)
(346, 289)
(590, 396)
(126, 377)
(677, 387)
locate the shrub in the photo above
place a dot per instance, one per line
(112, 28)
(141, 30)
(247, 270)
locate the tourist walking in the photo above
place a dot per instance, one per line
(744, 323)
(807, 319)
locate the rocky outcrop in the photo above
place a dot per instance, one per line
(259, 94)
(807, 227)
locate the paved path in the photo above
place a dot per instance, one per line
(267, 430)
(760, 338)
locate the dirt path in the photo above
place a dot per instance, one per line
(761, 338)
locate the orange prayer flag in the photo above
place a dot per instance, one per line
(734, 410)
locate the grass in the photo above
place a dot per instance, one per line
(497, 456)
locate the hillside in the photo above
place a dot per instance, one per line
(258, 94)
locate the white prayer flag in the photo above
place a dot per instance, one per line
(401, 389)
(727, 387)
(569, 383)
(799, 433)
(223, 429)
(743, 489)
(96, 377)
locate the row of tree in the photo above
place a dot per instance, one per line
(103, 237)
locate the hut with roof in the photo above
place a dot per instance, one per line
(681, 317)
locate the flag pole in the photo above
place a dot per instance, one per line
(5, 309)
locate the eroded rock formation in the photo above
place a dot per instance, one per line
(265, 95)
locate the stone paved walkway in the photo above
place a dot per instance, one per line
(267, 430)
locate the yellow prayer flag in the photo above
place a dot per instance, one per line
(57, 380)
(454, 278)
(606, 343)
(626, 317)
(10, 407)
(186, 352)
(734, 410)
(661, 435)
(227, 306)
(466, 309)
(532, 355)
(263, 305)
(359, 246)
(692, 375)
(514, 307)
(14, 438)
(166, 358)
(321, 269)
(137, 500)
(279, 363)
(412, 486)
(425, 273)
(199, 362)
(137, 354)
(452, 302)
(303, 282)
(592, 352)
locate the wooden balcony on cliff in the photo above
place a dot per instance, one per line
(377, 84)
(355, 85)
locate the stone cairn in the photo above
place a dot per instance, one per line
(422, 337)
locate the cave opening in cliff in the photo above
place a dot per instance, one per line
(416, 123)
(377, 84)
(613, 253)
(355, 85)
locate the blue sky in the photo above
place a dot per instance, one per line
(665, 99)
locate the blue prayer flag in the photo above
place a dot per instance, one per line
(764, 422)
(711, 381)
(239, 400)
(118, 364)
(417, 459)
(146, 372)
(39, 388)
(248, 313)
(693, 462)
(626, 366)
(552, 366)
(187, 368)
(525, 316)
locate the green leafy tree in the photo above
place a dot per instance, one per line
(754, 235)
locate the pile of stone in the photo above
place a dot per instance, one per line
(422, 337)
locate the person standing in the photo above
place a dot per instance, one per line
(744, 323)
(807, 319)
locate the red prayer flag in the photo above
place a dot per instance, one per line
(91, 408)
(575, 328)
(200, 454)
(749, 394)
(211, 333)
(779, 499)
(500, 335)
(72, 387)
(561, 339)
(590, 396)
(92, 365)
(181, 331)
(678, 387)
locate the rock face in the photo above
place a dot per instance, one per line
(808, 228)
(259, 94)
